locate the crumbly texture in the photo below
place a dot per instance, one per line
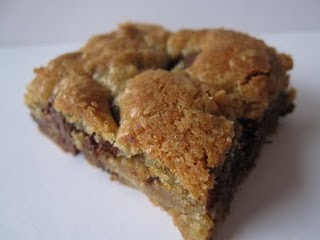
(167, 117)
(167, 113)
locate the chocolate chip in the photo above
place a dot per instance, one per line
(63, 138)
(115, 111)
(171, 65)
(99, 148)
(151, 179)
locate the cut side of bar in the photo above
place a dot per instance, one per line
(179, 116)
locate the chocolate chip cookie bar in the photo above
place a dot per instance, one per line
(180, 116)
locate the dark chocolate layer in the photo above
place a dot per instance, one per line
(241, 158)
(99, 148)
(55, 126)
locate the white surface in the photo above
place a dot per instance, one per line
(46, 194)
(35, 21)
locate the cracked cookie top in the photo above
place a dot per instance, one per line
(247, 73)
(178, 94)
(167, 116)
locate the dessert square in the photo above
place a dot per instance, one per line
(180, 116)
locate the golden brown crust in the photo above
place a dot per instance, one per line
(47, 78)
(245, 70)
(110, 59)
(116, 57)
(166, 116)
(85, 104)
(95, 72)
(182, 119)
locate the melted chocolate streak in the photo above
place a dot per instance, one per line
(65, 129)
(238, 164)
(241, 158)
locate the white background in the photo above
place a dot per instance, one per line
(47, 194)
(41, 21)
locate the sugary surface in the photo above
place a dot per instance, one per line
(167, 116)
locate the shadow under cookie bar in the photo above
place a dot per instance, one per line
(135, 172)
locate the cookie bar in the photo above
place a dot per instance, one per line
(180, 116)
